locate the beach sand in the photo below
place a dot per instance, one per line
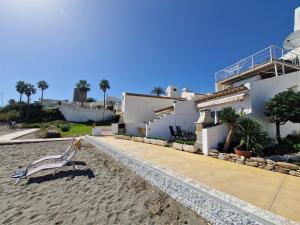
(4, 129)
(101, 191)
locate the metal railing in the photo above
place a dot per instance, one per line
(269, 54)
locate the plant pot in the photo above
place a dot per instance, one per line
(154, 141)
(246, 154)
(189, 148)
(162, 142)
(147, 140)
(178, 146)
(139, 139)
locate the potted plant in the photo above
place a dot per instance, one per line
(251, 135)
(189, 146)
(178, 144)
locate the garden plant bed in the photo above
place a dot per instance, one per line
(187, 146)
(259, 162)
(122, 136)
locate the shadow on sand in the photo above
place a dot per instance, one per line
(62, 174)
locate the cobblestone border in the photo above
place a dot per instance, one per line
(215, 206)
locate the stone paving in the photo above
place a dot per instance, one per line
(274, 192)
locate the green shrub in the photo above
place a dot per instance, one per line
(3, 117)
(65, 127)
(13, 115)
(251, 135)
(185, 142)
(297, 147)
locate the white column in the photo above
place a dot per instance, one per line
(216, 117)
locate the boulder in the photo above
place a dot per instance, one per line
(240, 161)
(270, 162)
(281, 170)
(248, 163)
(269, 167)
(214, 151)
(288, 165)
(257, 159)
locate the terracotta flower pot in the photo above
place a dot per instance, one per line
(246, 154)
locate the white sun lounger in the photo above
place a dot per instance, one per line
(53, 157)
(61, 161)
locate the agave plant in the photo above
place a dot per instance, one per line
(251, 135)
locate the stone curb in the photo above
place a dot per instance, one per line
(215, 206)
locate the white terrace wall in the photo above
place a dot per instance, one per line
(185, 115)
(261, 91)
(139, 109)
(77, 114)
(132, 128)
(212, 136)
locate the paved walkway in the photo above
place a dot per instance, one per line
(17, 134)
(278, 193)
(11, 138)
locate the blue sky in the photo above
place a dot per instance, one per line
(135, 44)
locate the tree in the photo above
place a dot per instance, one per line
(29, 90)
(158, 91)
(283, 107)
(83, 87)
(104, 86)
(43, 85)
(20, 87)
(229, 116)
(91, 99)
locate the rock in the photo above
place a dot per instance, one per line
(248, 163)
(269, 167)
(292, 172)
(214, 151)
(257, 159)
(213, 154)
(240, 161)
(281, 170)
(288, 165)
(271, 162)
(223, 156)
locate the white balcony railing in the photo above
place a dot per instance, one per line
(272, 53)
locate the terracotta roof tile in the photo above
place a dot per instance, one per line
(223, 93)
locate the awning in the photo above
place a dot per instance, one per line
(234, 98)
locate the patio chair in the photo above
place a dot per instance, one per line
(181, 133)
(60, 161)
(174, 135)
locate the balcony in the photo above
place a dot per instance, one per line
(271, 61)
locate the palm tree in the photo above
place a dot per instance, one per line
(104, 86)
(29, 90)
(43, 85)
(229, 116)
(20, 87)
(83, 87)
(158, 91)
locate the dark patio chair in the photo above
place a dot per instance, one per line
(174, 135)
(183, 134)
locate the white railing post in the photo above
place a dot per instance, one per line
(252, 62)
(282, 57)
(271, 56)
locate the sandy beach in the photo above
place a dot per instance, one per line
(4, 129)
(102, 191)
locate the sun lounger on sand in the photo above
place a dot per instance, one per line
(59, 162)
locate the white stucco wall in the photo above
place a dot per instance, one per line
(132, 128)
(212, 136)
(76, 114)
(138, 109)
(261, 91)
(185, 115)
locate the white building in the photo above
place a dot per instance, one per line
(246, 86)
(155, 114)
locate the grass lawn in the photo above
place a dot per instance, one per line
(77, 130)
